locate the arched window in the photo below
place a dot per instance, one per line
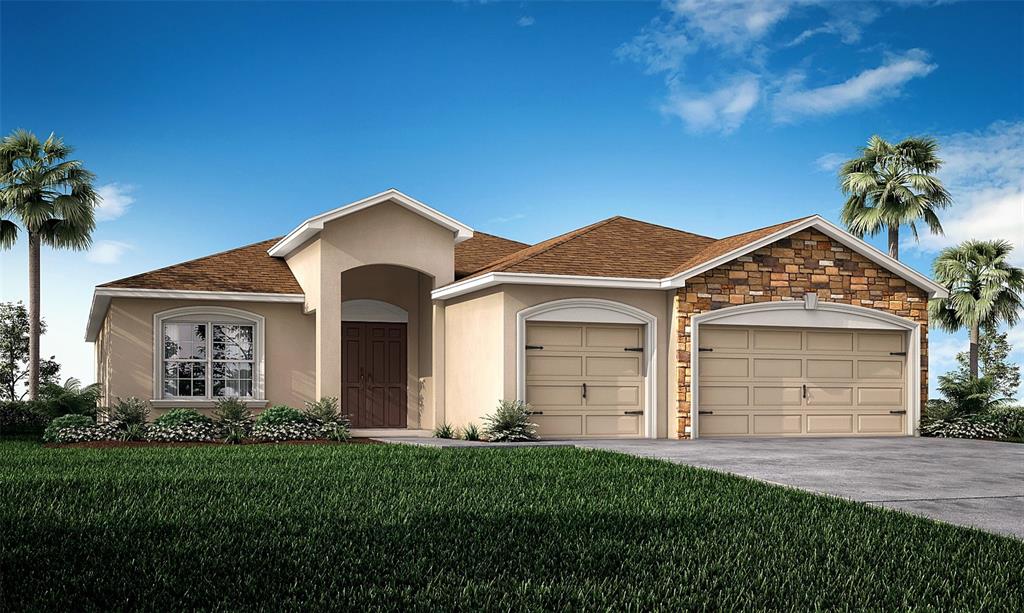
(204, 353)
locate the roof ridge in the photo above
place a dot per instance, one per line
(554, 241)
(182, 263)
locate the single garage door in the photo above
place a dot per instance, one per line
(585, 379)
(801, 382)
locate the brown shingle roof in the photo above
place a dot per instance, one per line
(473, 254)
(245, 269)
(615, 247)
(723, 246)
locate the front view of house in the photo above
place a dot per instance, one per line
(618, 329)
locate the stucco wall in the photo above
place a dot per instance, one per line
(475, 356)
(805, 262)
(305, 266)
(127, 341)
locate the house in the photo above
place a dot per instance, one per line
(618, 329)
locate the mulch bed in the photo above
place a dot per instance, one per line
(121, 444)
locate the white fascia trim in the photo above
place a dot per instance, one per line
(312, 226)
(825, 227)
(101, 297)
(521, 278)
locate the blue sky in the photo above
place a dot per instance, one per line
(215, 125)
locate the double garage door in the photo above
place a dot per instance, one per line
(585, 379)
(801, 382)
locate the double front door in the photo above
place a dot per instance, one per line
(373, 380)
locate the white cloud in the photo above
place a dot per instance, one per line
(513, 217)
(107, 252)
(723, 109)
(525, 21)
(847, 22)
(864, 89)
(984, 171)
(116, 200)
(830, 162)
(735, 24)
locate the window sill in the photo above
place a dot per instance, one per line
(185, 403)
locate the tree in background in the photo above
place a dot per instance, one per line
(993, 361)
(53, 200)
(14, 352)
(984, 289)
(893, 185)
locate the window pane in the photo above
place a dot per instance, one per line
(231, 342)
(232, 379)
(184, 341)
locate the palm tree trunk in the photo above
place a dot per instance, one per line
(33, 316)
(974, 351)
(894, 242)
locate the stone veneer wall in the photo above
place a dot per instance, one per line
(804, 262)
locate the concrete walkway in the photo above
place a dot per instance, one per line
(965, 482)
(970, 483)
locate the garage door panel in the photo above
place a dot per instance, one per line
(724, 367)
(829, 369)
(774, 367)
(726, 425)
(554, 365)
(829, 396)
(830, 424)
(880, 369)
(880, 396)
(612, 338)
(724, 338)
(607, 366)
(880, 424)
(829, 341)
(778, 340)
(554, 336)
(612, 425)
(722, 395)
(777, 396)
(559, 425)
(625, 396)
(777, 424)
(830, 383)
(554, 395)
(879, 342)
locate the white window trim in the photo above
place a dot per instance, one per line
(796, 314)
(595, 310)
(209, 313)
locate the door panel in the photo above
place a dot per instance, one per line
(801, 382)
(374, 374)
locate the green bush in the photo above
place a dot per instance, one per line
(510, 422)
(965, 395)
(19, 418)
(986, 426)
(471, 433)
(233, 418)
(71, 428)
(129, 411)
(327, 413)
(71, 398)
(278, 415)
(178, 417)
(445, 430)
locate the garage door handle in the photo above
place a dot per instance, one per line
(632, 412)
(705, 412)
(805, 391)
(584, 390)
(897, 412)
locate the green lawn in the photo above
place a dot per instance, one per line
(399, 527)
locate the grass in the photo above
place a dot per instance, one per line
(366, 526)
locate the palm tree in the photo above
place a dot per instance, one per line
(984, 289)
(53, 199)
(890, 186)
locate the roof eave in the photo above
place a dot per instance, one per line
(312, 226)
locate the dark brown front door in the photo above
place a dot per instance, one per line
(373, 380)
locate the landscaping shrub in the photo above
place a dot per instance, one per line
(965, 395)
(471, 433)
(21, 418)
(71, 398)
(510, 422)
(283, 423)
(1012, 419)
(445, 430)
(73, 428)
(233, 418)
(334, 424)
(126, 420)
(183, 426)
(983, 426)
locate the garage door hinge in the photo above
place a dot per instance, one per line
(897, 353)
(640, 349)
(535, 346)
(897, 412)
(535, 412)
(705, 412)
(632, 412)
(704, 349)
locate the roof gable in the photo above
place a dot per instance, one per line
(312, 226)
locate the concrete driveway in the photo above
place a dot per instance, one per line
(971, 483)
